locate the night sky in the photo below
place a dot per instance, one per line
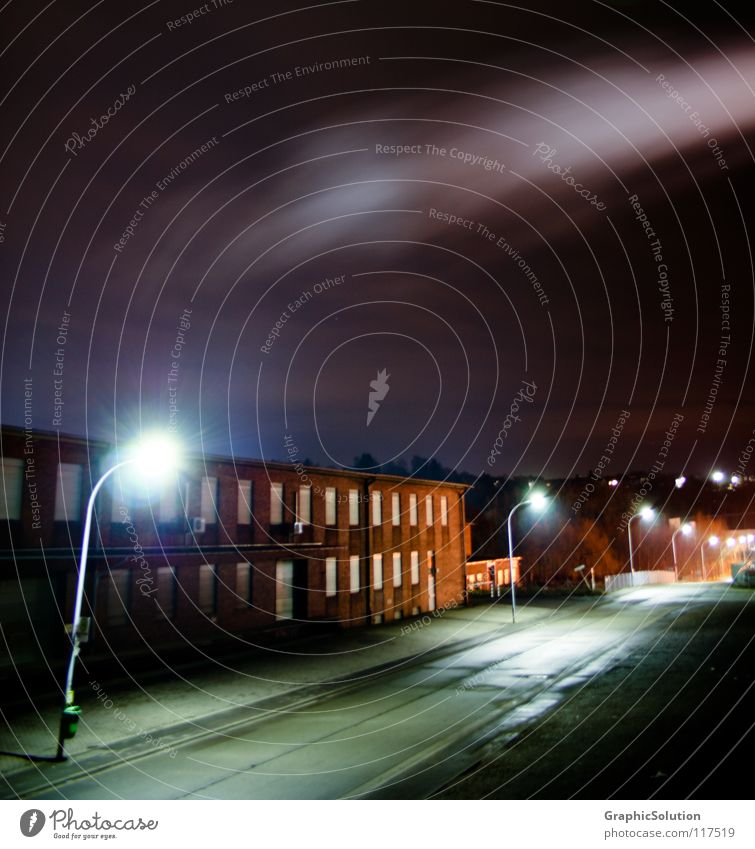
(531, 217)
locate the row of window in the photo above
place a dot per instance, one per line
(173, 501)
(120, 585)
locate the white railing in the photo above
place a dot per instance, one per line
(639, 579)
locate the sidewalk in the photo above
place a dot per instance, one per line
(136, 717)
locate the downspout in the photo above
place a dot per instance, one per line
(367, 548)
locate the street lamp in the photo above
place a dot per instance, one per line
(153, 457)
(680, 481)
(646, 513)
(718, 476)
(686, 529)
(539, 502)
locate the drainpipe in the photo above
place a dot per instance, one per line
(367, 548)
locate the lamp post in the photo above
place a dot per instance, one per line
(153, 457)
(646, 513)
(539, 502)
(686, 529)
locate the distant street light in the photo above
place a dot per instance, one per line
(685, 529)
(152, 458)
(613, 482)
(736, 480)
(646, 513)
(539, 502)
(717, 477)
(712, 542)
(680, 481)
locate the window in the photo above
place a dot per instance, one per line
(208, 588)
(377, 571)
(413, 519)
(243, 584)
(354, 573)
(168, 509)
(209, 497)
(331, 576)
(377, 508)
(166, 590)
(429, 509)
(396, 568)
(284, 590)
(304, 505)
(444, 509)
(395, 508)
(244, 507)
(68, 493)
(414, 566)
(276, 503)
(13, 479)
(330, 505)
(353, 507)
(118, 597)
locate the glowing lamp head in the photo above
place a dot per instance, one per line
(680, 481)
(750, 538)
(687, 529)
(736, 480)
(647, 513)
(613, 482)
(538, 501)
(717, 477)
(742, 540)
(155, 457)
(731, 542)
(713, 541)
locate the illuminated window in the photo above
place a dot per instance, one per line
(396, 568)
(284, 590)
(429, 509)
(413, 517)
(331, 576)
(304, 505)
(68, 492)
(414, 565)
(330, 505)
(377, 571)
(353, 507)
(395, 509)
(444, 510)
(209, 497)
(118, 598)
(276, 503)
(244, 504)
(354, 573)
(377, 508)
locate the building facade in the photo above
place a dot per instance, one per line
(230, 546)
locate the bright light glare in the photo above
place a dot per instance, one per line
(731, 542)
(538, 501)
(613, 482)
(736, 480)
(742, 540)
(687, 529)
(680, 481)
(750, 537)
(155, 456)
(647, 513)
(717, 476)
(713, 541)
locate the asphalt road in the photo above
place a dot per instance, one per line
(648, 692)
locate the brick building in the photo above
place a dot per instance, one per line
(230, 547)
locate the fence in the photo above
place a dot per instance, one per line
(638, 579)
